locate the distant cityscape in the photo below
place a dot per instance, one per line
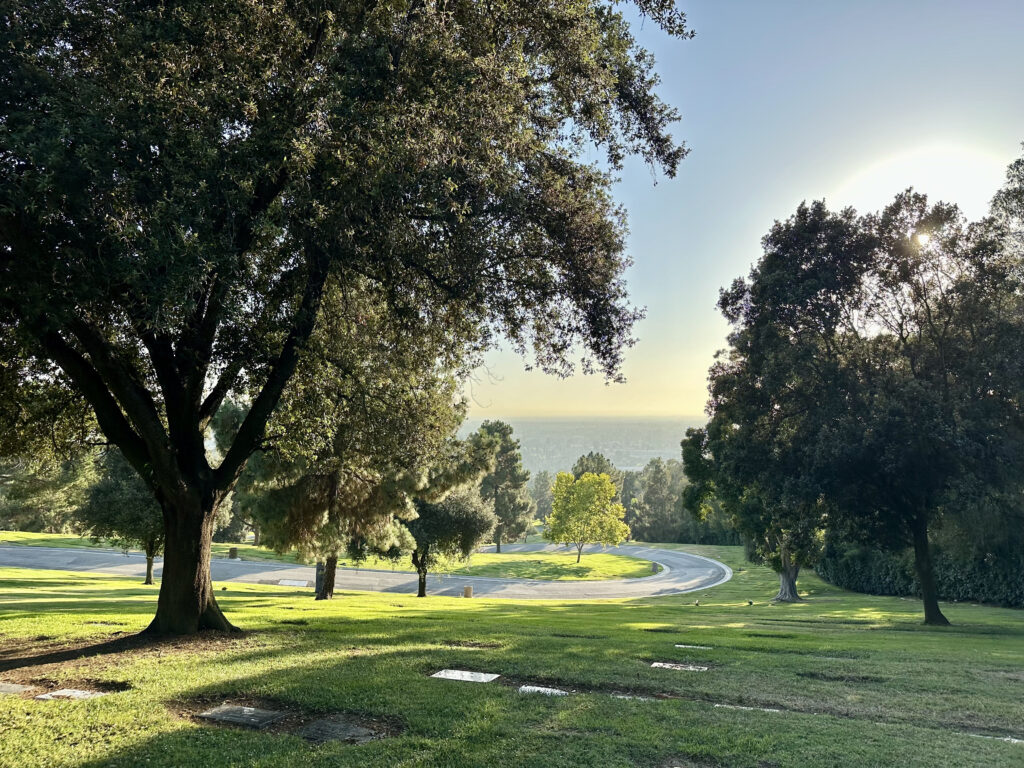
(555, 444)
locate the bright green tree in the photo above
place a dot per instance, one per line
(584, 511)
(181, 185)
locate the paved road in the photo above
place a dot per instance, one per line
(680, 573)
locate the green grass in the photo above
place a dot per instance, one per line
(554, 566)
(860, 679)
(72, 541)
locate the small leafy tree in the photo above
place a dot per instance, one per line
(451, 528)
(505, 487)
(121, 509)
(584, 511)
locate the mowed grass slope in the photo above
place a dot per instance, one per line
(859, 679)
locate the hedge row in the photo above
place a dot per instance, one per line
(1000, 582)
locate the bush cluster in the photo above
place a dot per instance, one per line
(995, 580)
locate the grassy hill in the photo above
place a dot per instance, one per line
(857, 680)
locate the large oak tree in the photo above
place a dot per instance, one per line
(180, 181)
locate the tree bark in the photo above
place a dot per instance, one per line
(186, 603)
(420, 563)
(421, 589)
(925, 572)
(255, 535)
(150, 553)
(787, 585)
(497, 543)
(788, 574)
(327, 585)
(579, 552)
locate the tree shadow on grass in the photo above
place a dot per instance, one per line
(77, 651)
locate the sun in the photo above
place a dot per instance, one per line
(944, 171)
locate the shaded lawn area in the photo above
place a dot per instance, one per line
(860, 679)
(72, 541)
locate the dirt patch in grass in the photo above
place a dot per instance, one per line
(471, 644)
(773, 635)
(33, 659)
(295, 622)
(686, 762)
(295, 718)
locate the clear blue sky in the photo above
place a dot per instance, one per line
(785, 101)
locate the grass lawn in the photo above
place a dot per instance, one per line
(554, 566)
(858, 679)
(71, 541)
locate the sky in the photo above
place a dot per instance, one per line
(782, 102)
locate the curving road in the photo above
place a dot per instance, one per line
(681, 572)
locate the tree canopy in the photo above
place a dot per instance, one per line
(584, 511)
(181, 186)
(868, 384)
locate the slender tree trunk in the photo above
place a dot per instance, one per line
(186, 603)
(150, 553)
(497, 542)
(420, 563)
(327, 585)
(925, 573)
(788, 574)
(579, 552)
(255, 536)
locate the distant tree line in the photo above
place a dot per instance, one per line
(652, 499)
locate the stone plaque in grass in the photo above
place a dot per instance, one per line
(697, 647)
(336, 729)
(465, 676)
(542, 690)
(70, 693)
(250, 717)
(15, 688)
(679, 667)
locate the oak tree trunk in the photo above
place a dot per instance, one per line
(926, 573)
(787, 585)
(788, 574)
(327, 583)
(186, 603)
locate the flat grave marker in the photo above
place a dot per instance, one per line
(250, 717)
(465, 676)
(695, 647)
(336, 729)
(70, 693)
(15, 688)
(542, 690)
(679, 667)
